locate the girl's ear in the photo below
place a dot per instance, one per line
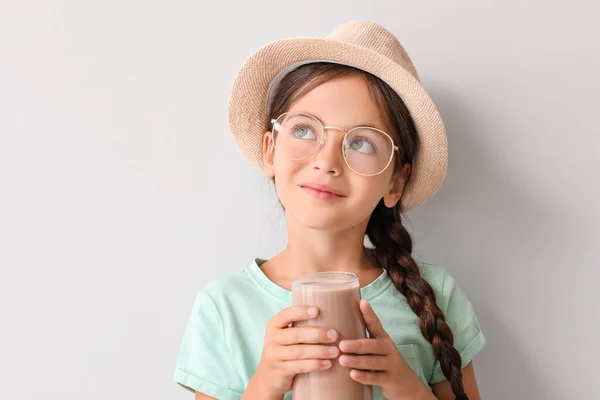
(397, 187)
(268, 154)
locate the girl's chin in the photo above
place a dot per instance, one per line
(327, 220)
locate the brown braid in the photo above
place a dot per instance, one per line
(392, 242)
(392, 252)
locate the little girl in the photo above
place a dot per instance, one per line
(351, 140)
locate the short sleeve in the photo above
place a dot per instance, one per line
(460, 316)
(204, 363)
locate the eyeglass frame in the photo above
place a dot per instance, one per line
(324, 129)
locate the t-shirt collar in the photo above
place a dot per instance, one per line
(368, 292)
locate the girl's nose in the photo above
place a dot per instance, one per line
(329, 159)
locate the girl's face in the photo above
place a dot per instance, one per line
(304, 187)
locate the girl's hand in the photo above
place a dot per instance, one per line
(377, 361)
(288, 351)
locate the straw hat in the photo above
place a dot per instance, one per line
(361, 44)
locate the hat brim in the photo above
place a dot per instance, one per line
(249, 96)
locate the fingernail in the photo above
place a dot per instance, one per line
(326, 363)
(333, 350)
(312, 312)
(331, 334)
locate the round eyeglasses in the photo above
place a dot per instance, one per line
(367, 151)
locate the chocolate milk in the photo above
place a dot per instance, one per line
(337, 295)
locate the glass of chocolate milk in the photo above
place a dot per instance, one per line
(336, 295)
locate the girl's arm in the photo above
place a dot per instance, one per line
(200, 396)
(253, 392)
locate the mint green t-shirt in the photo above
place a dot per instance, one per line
(223, 339)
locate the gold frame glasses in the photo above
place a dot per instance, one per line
(323, 132)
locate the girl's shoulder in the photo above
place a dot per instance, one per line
(228, 282)
(246, 286)
(432, 273)
(441, 281)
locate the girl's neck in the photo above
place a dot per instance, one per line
(310, 250)
(324, 252)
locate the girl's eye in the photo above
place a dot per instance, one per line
(362, 145)
(303, 132)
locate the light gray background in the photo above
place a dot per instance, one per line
(122, 193)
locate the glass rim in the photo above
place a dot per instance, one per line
(333, 279)
(394, 148)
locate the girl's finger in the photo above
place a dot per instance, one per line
(371, 320)
(292, 314)
(307, 352)
(304, 335)
(368, 363)
(368, 377)
(303, 366)
(363, 346)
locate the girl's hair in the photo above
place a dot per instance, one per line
(392, 244)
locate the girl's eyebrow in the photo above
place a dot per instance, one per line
(367, 126)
